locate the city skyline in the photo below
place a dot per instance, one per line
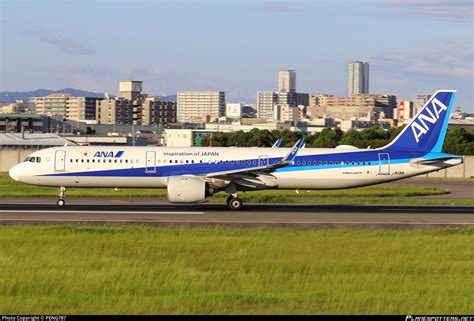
(417, 47)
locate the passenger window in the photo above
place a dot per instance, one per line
(325, 162)
(87, 161)
(71, 160)
(77, 161)
(110, 161)
(369, 163)
(126, 161)
(303, 162)
(298, 162)
(254, 162)
(358, 163)
(320, 162)
(330, 163)
(120, 161)
(171, 161)
(82, 160)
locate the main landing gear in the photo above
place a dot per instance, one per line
(234, 202)
(62, 194)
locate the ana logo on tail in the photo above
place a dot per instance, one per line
(420, 126)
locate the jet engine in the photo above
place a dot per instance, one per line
(182, 189)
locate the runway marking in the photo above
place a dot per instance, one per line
(236, 222)
(100, 212)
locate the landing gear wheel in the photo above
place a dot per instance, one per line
(229, 198)
(235, 204)
(61, 202)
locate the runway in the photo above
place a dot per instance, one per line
(145, 212)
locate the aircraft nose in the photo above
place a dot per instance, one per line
(14, 172)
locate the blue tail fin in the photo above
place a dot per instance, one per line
(427, 130)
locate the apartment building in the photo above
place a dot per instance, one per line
(66, 106)
(200, 106)
(158, 111)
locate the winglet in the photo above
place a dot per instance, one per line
(294, 150)
(278, 143)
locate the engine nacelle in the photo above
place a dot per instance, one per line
(182, 189)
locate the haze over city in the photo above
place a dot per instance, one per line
(413, 47)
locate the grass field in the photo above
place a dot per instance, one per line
(386, 194)
(139, 270)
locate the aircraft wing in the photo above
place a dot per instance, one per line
(258, 171)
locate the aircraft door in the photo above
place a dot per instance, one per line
(263, 160)
(150, 162)
(60, 161)
(384, 164)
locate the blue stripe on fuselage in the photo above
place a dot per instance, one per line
(350, 159)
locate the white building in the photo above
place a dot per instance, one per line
(406, 110)
(200, 106)
(233, 110)
(287, 81)
(358, 78)
(265, 104)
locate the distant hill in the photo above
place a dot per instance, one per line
(171, 97)
(11, 96)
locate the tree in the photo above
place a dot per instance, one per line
(328, 138)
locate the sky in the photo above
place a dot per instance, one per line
(412, 46)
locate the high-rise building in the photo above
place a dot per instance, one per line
(158, 111)
(265, 104)
(420, 102)
(287, 81)
(287, 98)
(358, 78)
(130, 89)
(114, 111)
(200, 106)
(66, 106)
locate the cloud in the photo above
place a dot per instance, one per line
(451, 60)
(67, 45)
(452, 9)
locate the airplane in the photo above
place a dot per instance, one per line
(191, 174)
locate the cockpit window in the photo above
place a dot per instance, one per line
(32, 159)
(27, 159)
(38, 159)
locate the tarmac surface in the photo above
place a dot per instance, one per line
(157, 212)
(149, 212)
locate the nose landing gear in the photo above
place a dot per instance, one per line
(62, 194)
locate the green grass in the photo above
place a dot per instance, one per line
(10, 188)
(386, 194)
(140, 270)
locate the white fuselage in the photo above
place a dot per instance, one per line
(313, 168)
